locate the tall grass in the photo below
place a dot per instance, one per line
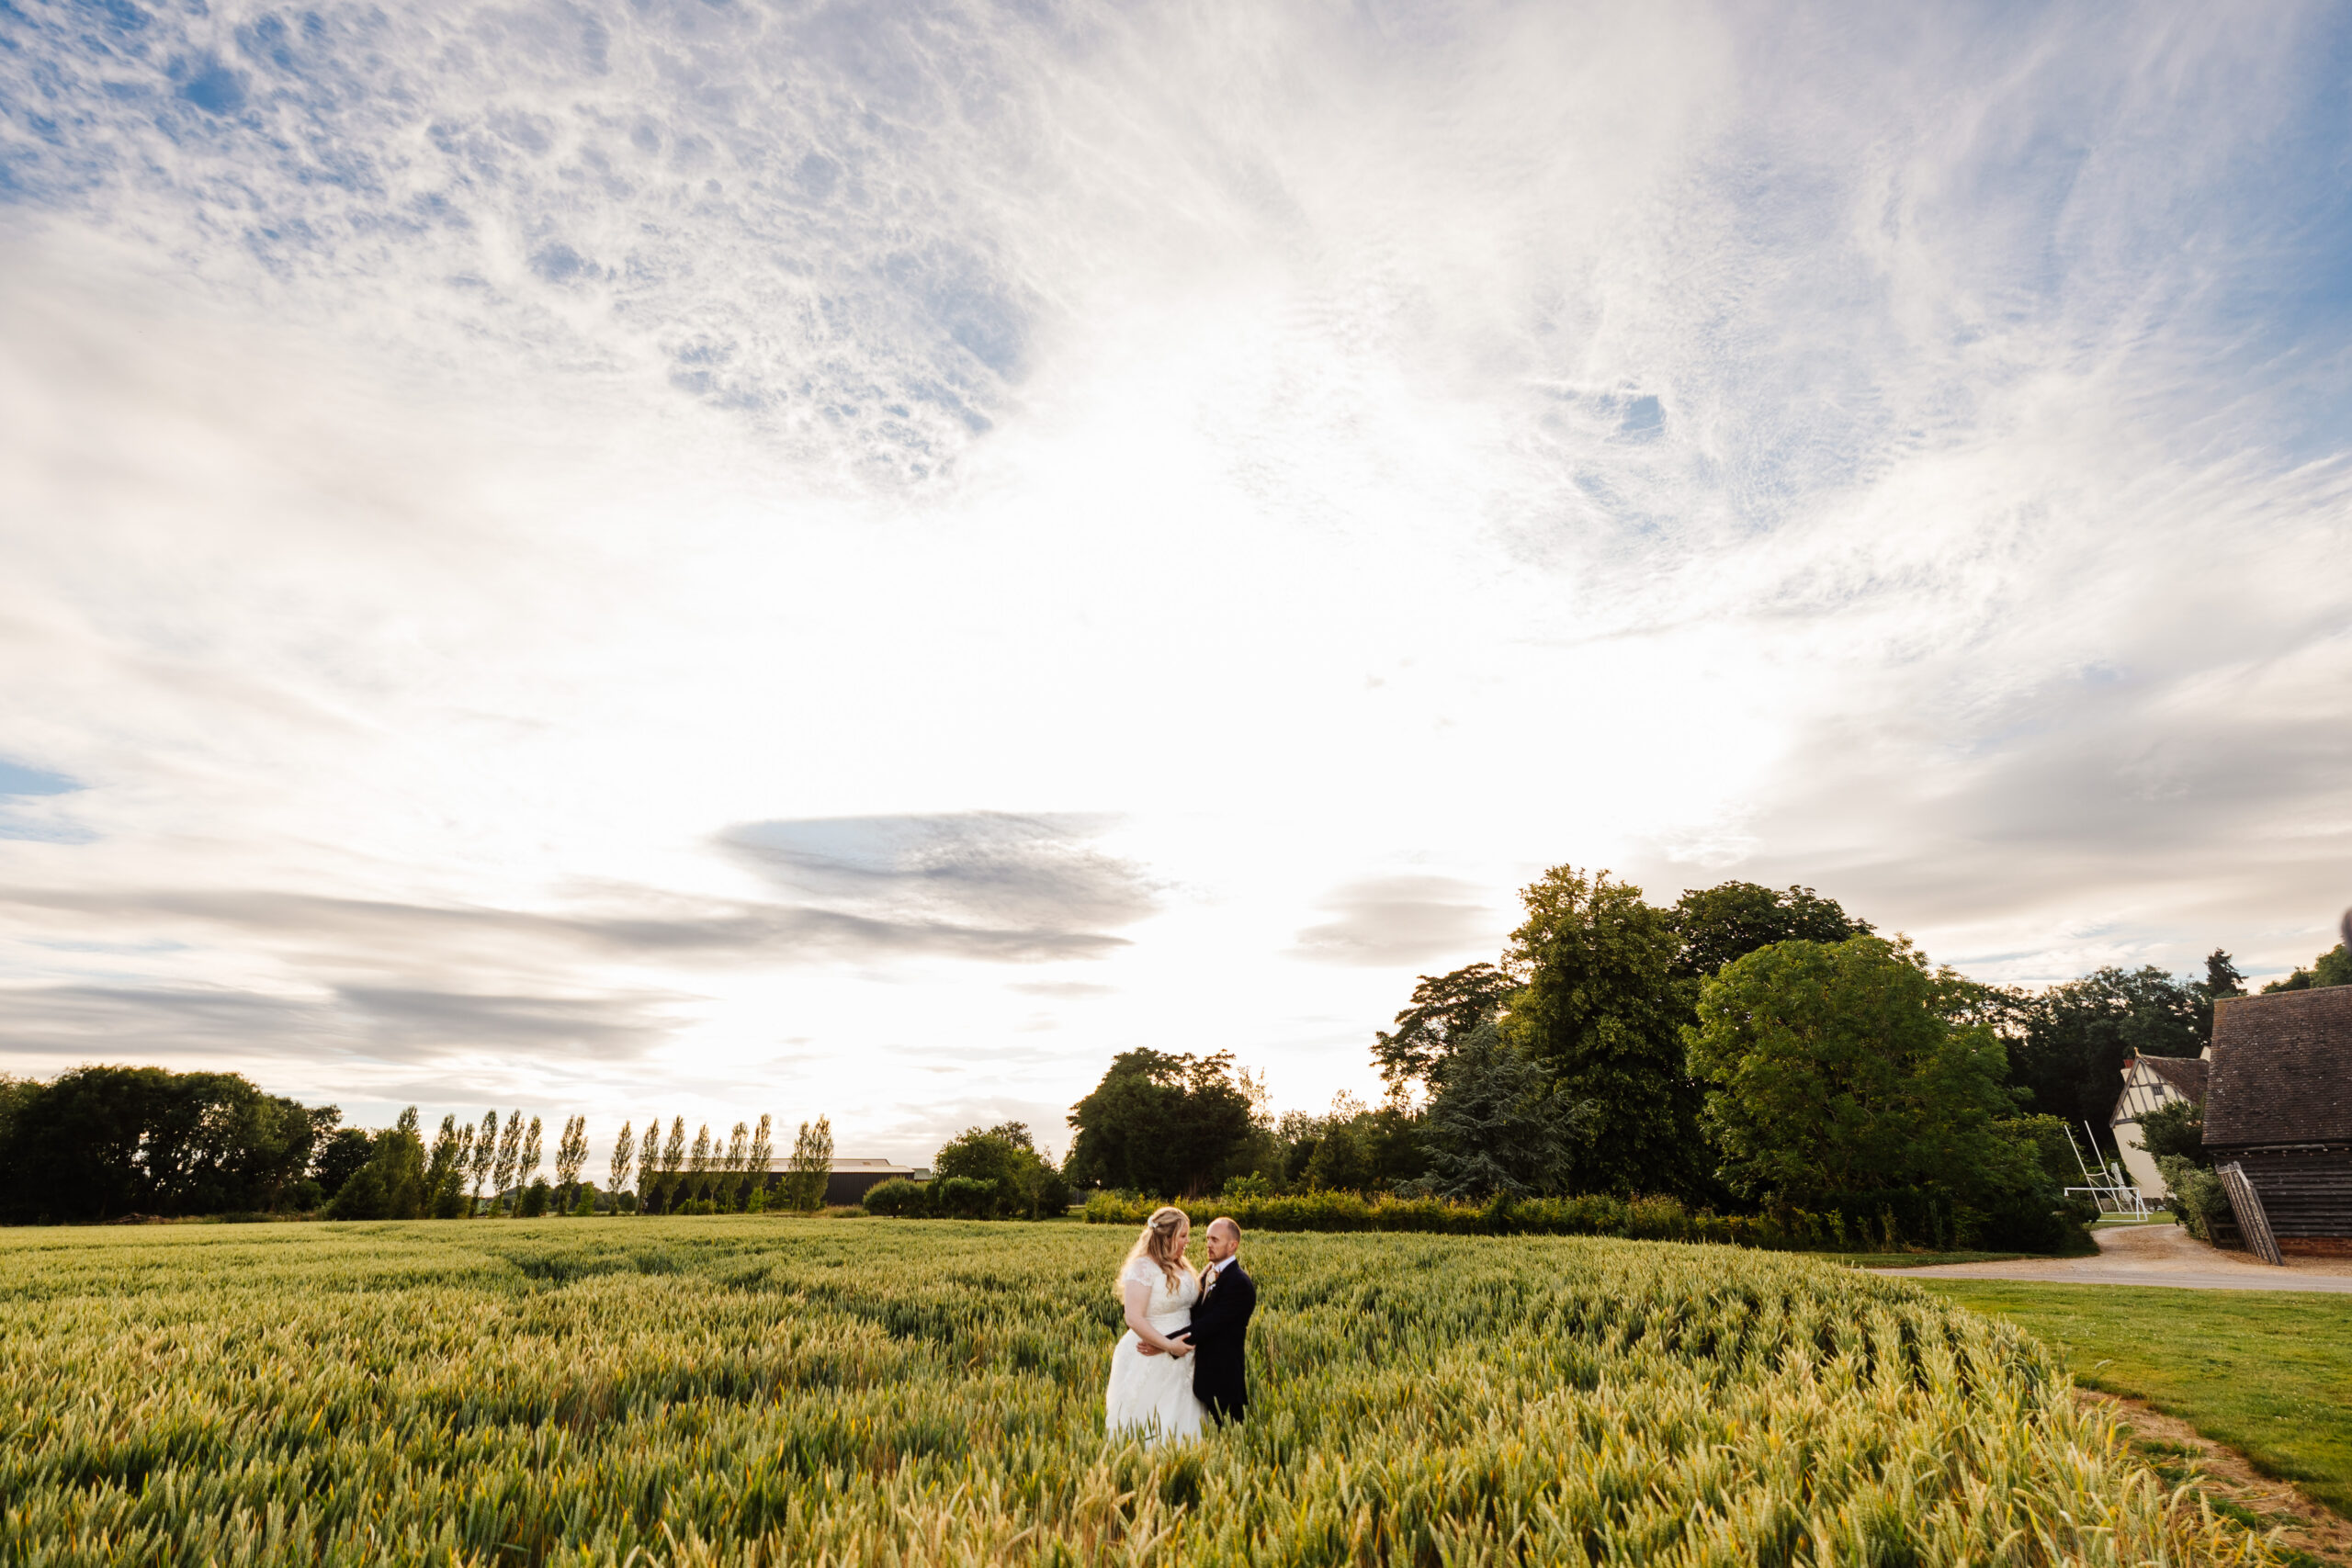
(748, 1390)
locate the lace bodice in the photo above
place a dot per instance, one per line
(1173, 1302)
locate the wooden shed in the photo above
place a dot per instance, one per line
(2279, 1101)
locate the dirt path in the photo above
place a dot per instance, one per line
(2173, 1449)
(2154, 1255)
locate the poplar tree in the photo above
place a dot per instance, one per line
(570, 1154)
(403, 1157)
(812, 1162)
(623, 1155)
(762, 1155)
(649, 1167)
(737, 1152)
(510, 1151)
(530, 1162)
(445, 1172)
(673, 1155)
(698, 1165)
(456, 1203)
(485, 1151)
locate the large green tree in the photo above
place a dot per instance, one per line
(1005, 1157)
(394, 1184)
(1601, 1014)
(2073, 1039)
(1443, 1011)
(1166, 1125)
(1835, 1070)
(1352, 1147)
(2332, 967)
(340, 1158)
(2222, 979)
(100, 1141)
(1733, 919)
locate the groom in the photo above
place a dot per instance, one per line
(1220, 1325)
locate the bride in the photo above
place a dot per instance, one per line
(1153, 1395)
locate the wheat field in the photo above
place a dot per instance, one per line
(764, 1389)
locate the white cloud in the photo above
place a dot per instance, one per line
(878, 560)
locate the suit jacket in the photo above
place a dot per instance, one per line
(1220, 1325)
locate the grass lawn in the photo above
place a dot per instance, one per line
(2267, 1372)
(1920, 1259)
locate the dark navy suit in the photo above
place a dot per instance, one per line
(1220, 1326)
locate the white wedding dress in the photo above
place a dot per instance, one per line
(1153, 1395)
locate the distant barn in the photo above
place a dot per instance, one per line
(2279, 1101)
(849, 1179)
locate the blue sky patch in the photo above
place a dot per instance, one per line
(17, 779)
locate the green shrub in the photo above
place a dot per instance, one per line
(2195, 1195)
(898, 1199)
(964, 1197)
(535, 1199)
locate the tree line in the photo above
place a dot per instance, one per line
(105, 1143)
(1743, 1048)
(391, 1175)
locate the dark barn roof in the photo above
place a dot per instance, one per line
(2282, 1071)
(2185, 1074)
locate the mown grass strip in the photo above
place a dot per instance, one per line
(2267, 1372)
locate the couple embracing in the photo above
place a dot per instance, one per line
(1182, 1353)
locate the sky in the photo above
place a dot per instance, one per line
(691, 557)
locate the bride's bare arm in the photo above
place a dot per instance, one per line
(1138, 1297)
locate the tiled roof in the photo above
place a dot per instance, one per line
(2282, 1070)
(2186, 1073)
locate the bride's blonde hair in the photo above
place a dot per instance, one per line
(1159, 1243)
